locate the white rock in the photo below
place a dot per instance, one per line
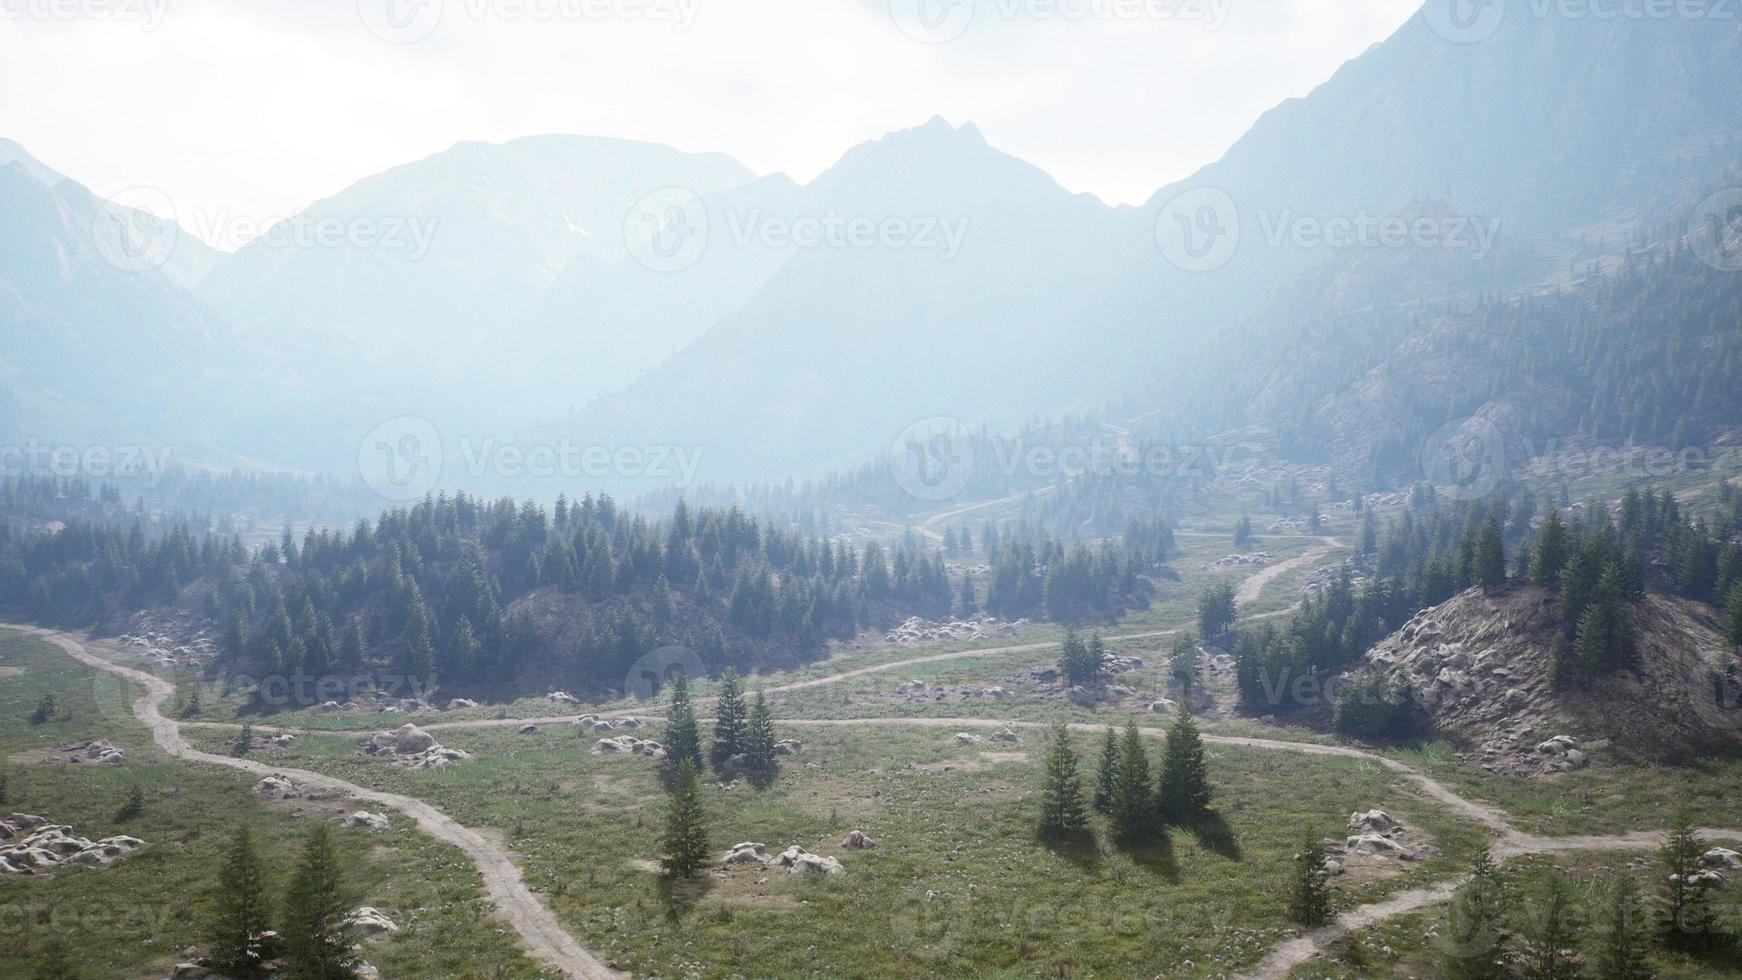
(1372, 822)
(790, 746)
(1374, 845)
(371, 922)
(1722, 857)
(458, 704)
(367, 820)
(277, 787)
(857, 841)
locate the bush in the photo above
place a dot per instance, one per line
(1374, 708)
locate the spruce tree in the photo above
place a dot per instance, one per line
(134, 805)
(761, 762)
(1183, 791)
(1621, 938)
(686, 831)
(1550, 555)
(315, 945)
(1471, 946)
(244, 741)
(54, 961)
(1733, 615)
(240, 915)
(682, 740)
(193, 708)
(1075, 661)
(1107, 773)
(1685, 910)
(968, 604)
(1133, 803)
(1549, 929)
(1490, 555)
(731, 720)
(1062, 814)
(5, 797)
(1309, 887)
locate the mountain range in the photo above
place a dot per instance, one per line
(619, 293)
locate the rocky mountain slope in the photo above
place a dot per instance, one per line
(1477, 666)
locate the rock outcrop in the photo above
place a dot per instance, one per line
(30, 845)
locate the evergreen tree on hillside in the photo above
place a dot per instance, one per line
(1133, 810)
(1062, 814)
(968, 604)
(683, 742)
(686, 830)
(1183, 791)
(1733, 615)
(1216, 610)
(1550, 555)
(1076, 662)
(1107, 772)
(1472, 944)
(1622, 941)
(240, 916)
(1549, 930)
(1309, 886)
(731, 724)
(1490, 555)
(761, 762)
(1685, 917)
(315, 906)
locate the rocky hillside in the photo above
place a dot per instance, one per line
(1478, 668)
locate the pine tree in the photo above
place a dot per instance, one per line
(1550, 925)
(682, 740)
(1133, 800)
(315, 946)
(54, 961)
(1183, 791)
(969, 603)
(1490, 555)
(134, 806)
(1074, 660)
(1309, 887)
(244, 741)
(1733, 615)
(1550, 555)
(4, 795)
(731, 720)
(1685, 910)
(1107, 773)
(240, 915)
(1622, 940)
(193, 708)
(686, 831)
(1062, 814)
(761, 762)
(351, 647)
(1471, 946)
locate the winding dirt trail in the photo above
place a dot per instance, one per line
(1253, 586)
(544, 937)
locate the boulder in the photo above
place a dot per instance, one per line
(435, 757)
(790, 746)
(562, 697)
(327, 707)
(857, 841)
(366, 820)
(1373, 822)
(629, 723)
(747, 853)
(963, 738)
(281, 741)
(410, 740)
(1082, 697)
(797, 860)
(277, 787)
(459, 704)
(1005, 734)
(370, 923)
(526, 730)
(1333, 867)
(1559, 745)
(1165, 706)
(1721, 857)
(1373, 845)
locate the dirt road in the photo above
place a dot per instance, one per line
(545, 938)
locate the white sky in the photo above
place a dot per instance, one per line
(245, 110)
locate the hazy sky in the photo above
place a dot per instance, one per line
(246, 110)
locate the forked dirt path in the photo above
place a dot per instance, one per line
(545, 938)
(1253, 586)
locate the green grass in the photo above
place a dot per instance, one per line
(134, 918)
(1001, 903)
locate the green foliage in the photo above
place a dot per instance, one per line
(133, 807)
(54, 961)
(731, 724)
(1550, 555)
(1490, 555)
(244, 741)
(1107, 772)
(761, 763)
(1621, 938)
(1242, 534)
(44, 712)
(1548, 930)
(1733, 615)
(1081, 662)
(1062, 813)
(1133, 809)
(1309, 888)
(1216, 609)
(686, 829)
(1685, 916)
(1183, 792)
(240, 917)
(1370, 707)
(1472, 944)
(315, 905)
(683, 741)
(193, 708)
(1182, 665)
